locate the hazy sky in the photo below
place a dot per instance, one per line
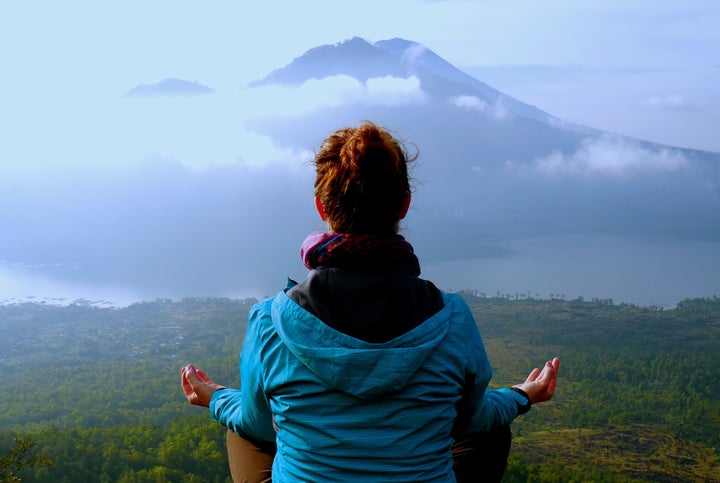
(67, 135)
(642, 68)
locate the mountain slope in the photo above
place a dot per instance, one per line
(443, 79)
(498, 164)
(397, 57)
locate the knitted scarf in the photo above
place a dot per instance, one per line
(359, 252)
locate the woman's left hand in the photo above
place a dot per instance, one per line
(197, 386)
(540, 385)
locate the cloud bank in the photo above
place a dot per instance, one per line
(611, 156)
(672, 102)
(331, 92)
(160, 228)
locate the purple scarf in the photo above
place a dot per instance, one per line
(359, 252)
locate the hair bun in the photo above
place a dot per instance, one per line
(362, 179)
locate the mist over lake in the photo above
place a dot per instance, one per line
(642, 272)
(638, 271)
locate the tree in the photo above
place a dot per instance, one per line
(19, 459)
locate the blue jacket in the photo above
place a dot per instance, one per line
(342, 409)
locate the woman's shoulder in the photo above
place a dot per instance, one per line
(261, 308)
(265, 312)
(260, 318)
(461, 321)
(456, 303)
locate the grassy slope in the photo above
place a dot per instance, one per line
(608, 416)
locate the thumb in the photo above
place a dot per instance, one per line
(190, 377)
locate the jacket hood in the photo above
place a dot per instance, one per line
(363, 369)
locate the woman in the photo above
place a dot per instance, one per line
(364, 371)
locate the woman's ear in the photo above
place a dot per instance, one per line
(405, 207)
(320, 209)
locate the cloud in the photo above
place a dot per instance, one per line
(671, 102)
(198, 132)
(412, 53)
(611, 156)
(470, 102)
(241, 147)
(394, 91)
(333, 91)
(496, 111)
(158, 227)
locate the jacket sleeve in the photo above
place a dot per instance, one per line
(482, 409)
(246, 411)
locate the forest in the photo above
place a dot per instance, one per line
(92, 393)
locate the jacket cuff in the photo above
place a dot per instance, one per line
(216, 400)
(522, 408)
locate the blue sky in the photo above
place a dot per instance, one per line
(642, 68)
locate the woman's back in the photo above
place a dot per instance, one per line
(348, 409)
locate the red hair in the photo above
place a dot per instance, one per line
(362, 180)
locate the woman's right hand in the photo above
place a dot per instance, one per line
(197, 386)
(540, 385)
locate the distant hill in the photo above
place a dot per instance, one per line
(169, 87)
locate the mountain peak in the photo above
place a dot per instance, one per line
(396, 45)
(355, 57)
(397, 57)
